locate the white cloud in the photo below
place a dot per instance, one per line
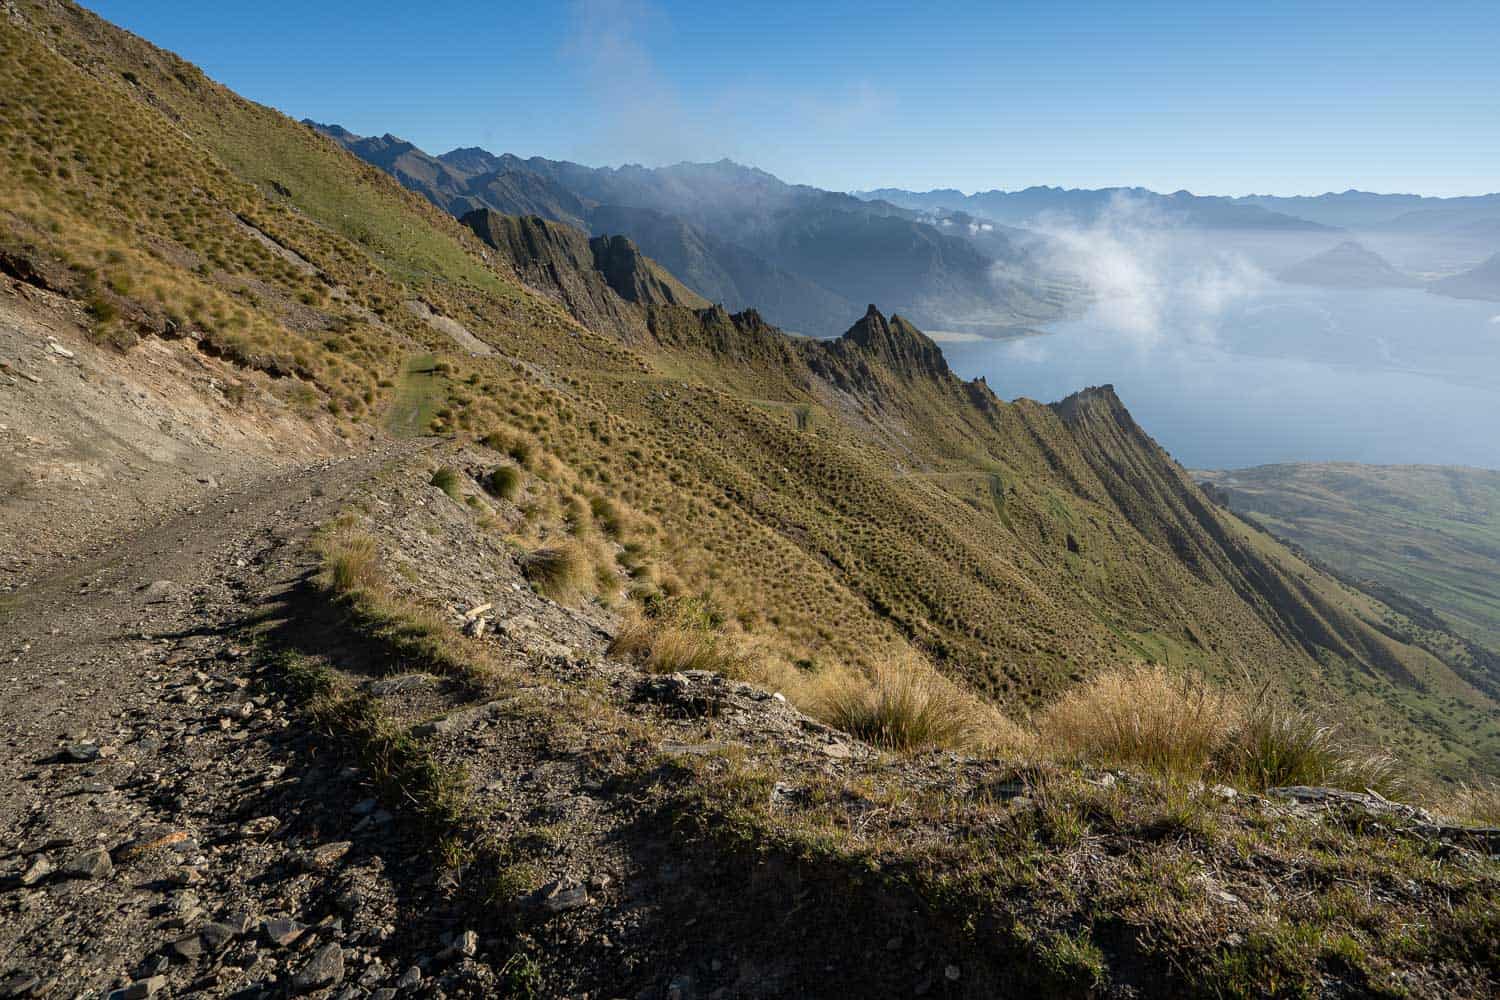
(1150, 276)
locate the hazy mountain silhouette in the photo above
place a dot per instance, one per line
(1348, 265)
(1482, 282)
(1081, 206)
(804, 257)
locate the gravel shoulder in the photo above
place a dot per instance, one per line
(165, 823)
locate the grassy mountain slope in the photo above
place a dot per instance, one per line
(667, 485)
(1430, 532)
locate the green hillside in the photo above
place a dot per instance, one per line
(1429, 532)
(995, 680)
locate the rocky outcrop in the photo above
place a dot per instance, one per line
(559, 261)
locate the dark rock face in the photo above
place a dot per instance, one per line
(628, 273)
(897, 344)
(561, 262)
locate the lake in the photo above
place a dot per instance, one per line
(1389, 376)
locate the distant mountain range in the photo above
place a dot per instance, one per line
(1389, 212)
(1076, 206)
(1476, 216)
(807, 259)
(1348, 265)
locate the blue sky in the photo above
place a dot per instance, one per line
(1279, 98)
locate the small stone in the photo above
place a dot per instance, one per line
(260, 826)
(20, 984)
(59, 349)
(951, 973)
(282, 931)
(398, 685)
(154, 840)
(39, 869)
(140, 989)
(186, 948)
(466, 945)
(240, 921)
(81, 753)
(410, 978)
(161, 591)
(216, 936)
(94, 863)
(384, 993)
(326, 855)
(185, 877)
(559, 897)
(894, 944)
(325, 968)
(428, 730)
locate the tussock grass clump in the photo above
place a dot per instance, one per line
(522, 448)
(1142, 715)
(557, 571)
(607, 517)
(505, 482)
(1279, 746)
(447, 480)
(350, 563)
(1474, 804)
(683, 636)
(1150, 717)
(909, 706)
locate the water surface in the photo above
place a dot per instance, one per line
(1391, 376)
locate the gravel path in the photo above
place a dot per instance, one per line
(165, 825)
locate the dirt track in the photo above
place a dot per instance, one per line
(150, 788)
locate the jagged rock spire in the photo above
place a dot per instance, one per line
(899, 345)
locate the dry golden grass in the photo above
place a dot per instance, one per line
(1143, 715)
(1474, 803)
(561, 572)
(1151, 717)
(668, 646)
(350, 562)
(907, 706)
